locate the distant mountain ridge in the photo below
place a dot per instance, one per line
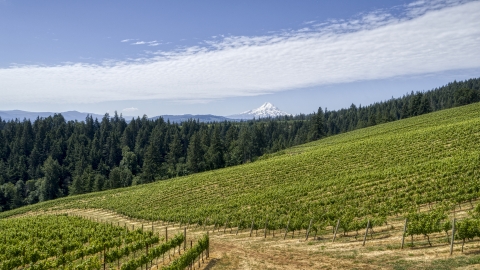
(69, 115)
(80, 116)
(185, 117)
(264, 111)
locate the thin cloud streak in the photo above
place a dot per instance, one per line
(149, 43)
(427, 37)
(131, 109)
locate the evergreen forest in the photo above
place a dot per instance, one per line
(51, 158)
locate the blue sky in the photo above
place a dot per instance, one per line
(225, 57)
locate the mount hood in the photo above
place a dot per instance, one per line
(264, 111)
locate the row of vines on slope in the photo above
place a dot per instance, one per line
(62, 241)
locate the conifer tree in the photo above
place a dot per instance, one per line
(129, 160)
(50, 188)
(174, 154)
(195, 155)
(424, 105)
(243, 149)
(317, 126)
(77, 186)
(99, 182)
(215, 154)
(153, 156)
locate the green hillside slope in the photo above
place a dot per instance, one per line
(373, 172)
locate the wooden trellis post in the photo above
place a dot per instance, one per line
(308, 231)
(366, 232)
(336, 229)
(184, 239)
(286, 230)
(453, 236)
(266, 223)
(225, 228)
(208, 248)
(404, 231)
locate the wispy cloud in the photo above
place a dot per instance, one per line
(149, 43)
(421, 7)
(126, 40)
(129, 110)
(418, 38)
(153, 43)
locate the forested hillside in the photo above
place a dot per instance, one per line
(370, 173)
(51, 158)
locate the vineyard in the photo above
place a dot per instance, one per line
(346, 182)
(371, 173)
(66, 242)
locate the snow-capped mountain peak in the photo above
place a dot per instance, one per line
(264, 111)
(267, 106)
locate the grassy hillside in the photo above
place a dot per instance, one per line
(373, 172)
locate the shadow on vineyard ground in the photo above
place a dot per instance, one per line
(212, 263)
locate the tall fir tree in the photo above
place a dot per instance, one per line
(195, 161)
(215, 154)
(51, 183)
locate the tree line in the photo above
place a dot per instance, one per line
(51, 157)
